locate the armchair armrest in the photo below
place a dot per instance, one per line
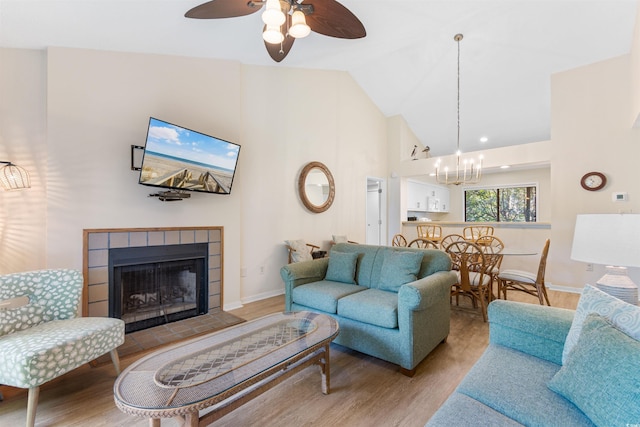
(300, 273)
(533, 329)
(425, 292)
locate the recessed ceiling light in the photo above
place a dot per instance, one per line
(505, 167)
(484, 139)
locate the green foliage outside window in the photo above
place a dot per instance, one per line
(509, 204)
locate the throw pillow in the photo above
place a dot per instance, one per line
(624, 316)
(398, 268)
(601, 375)
(339, 239)
(301, 250)
(342, 267)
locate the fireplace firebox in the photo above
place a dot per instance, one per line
(154, 285)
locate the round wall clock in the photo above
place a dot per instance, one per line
(593, 181)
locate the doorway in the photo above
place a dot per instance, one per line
(376, 213)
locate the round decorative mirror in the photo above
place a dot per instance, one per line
(316, 187)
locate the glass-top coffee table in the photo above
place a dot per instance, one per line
(223, 370)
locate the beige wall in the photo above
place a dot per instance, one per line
(23, 221)
(293, 117)
(635, 72)
(97, 104)
(70, 115)
(590, 131)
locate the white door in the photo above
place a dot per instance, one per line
(375, 211)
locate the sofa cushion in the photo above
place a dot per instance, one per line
(342, 267)
(624, 316)
(323, 295)
(460, 410)
(372, 306)
(601, 374)
(33, 356)
(515, 384)
(398, 268)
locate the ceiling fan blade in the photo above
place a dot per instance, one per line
(223, 9)
(332, 19)
(279, 51)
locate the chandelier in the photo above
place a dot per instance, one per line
(466, 170)
(13, 177)
(275, 18)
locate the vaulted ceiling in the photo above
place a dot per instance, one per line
(406, 63)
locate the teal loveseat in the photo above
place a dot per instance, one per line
(391, 303)
(548, 366)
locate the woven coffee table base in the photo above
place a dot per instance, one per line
(202, 380)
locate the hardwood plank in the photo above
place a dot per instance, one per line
(84, 397)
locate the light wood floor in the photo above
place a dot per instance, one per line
(364, 391)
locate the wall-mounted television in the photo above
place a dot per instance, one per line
(178, 158)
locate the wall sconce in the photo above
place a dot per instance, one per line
(13, 177)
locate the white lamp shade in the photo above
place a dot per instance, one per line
(608, 239)
(299, 27)
(272, 35)
(273, 15)
(13, 177)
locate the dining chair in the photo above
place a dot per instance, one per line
(474, 232)
(474, 273)
(492, 245)
(423, 244)
(524, 281)
(430, 232)
(398, 240)
(449, 239)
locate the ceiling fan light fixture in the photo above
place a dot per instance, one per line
(273, 14)
(272, 34)
(299, 27)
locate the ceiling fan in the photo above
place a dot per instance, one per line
(286, 20)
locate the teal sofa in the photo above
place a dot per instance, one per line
(391, 303)
(529, 376)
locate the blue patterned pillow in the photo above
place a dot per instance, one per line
(342, 267)
(601, 375)
(622, 315)
(398, 268)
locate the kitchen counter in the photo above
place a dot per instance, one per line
(497, 225)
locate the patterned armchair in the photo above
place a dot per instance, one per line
(41, 335)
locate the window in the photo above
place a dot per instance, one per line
(504, 204)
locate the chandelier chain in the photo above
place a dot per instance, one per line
(468, 172)
(458, 38)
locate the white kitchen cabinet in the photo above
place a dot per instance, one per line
(416, 196)
(423, 197)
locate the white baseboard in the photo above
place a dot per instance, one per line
(569, 289)
(263, 295)
(232, 306)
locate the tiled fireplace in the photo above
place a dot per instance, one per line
(153, 276)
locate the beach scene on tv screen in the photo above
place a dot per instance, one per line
(176, 157)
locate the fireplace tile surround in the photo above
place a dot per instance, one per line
(97, 242)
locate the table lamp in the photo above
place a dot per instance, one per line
(611, 240)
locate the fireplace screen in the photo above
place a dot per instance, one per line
(147, 294)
